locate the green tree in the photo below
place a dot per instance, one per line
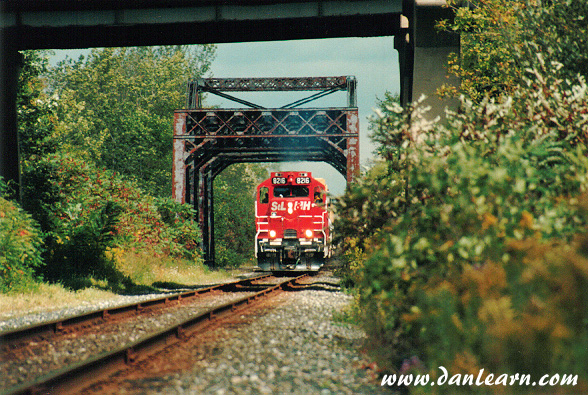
(234, 216)
(36, 118)
(36, 126)
(500, 40)
(488, 30)
(117, 104)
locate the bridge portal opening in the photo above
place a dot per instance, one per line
(206, 141)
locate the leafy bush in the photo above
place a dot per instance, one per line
(91, 211)
(234, 215)
(20, 247)
(78, 245)
(524, 317)
(471, 267)
(558, 30)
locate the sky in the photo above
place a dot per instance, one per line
(373, 62)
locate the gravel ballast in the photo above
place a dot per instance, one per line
(290, 345)
(293, 348)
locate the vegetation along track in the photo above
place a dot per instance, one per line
(106, 339)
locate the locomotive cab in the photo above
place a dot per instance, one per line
(293, 227)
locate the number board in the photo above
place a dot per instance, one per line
(283, 180)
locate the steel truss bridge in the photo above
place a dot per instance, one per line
(206, 141)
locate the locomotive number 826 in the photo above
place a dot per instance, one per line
(292, 222)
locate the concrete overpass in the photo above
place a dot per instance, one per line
(66, 24)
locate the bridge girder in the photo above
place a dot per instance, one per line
(54, 24)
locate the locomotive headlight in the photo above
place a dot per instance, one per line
(272, 233)
(290, 208)
(308, 234)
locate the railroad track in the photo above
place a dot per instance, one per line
(23, 336)
(70, 378)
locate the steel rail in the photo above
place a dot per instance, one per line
(73, 378)
(12, 337)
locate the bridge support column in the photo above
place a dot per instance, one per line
(423, 55)
(10, 62)
(206, 212)
(178, 166)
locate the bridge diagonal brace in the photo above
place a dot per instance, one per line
(316, 96)
(232, 98)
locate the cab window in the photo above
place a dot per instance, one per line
(319, 195)
(290, 191)
(264, 195)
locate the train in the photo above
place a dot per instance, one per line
(293, 222)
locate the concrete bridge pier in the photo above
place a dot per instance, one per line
(423, 53)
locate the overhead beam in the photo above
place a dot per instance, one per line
(60, 24)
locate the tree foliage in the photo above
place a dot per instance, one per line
(234, 214)
(557, 29)
(88, 214)
(21, 240)
(36, 110)
(488, 31)
(499, 40)
(116, 107)
(481, 261)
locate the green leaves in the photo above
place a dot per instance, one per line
(441, 261)
(20, 247)
(486, 64)
(234, 215)
(92, 210)
(116, 107)
(501, 40)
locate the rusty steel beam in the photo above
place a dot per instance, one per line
(271, 84)
(242, 123)
(284, 84)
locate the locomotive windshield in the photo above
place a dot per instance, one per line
(290, 191)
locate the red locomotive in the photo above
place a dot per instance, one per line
(292, 222)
